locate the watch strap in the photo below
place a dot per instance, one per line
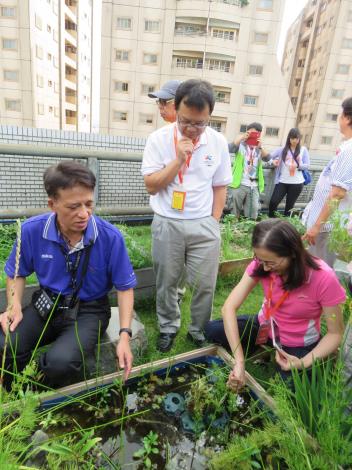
(126, 330)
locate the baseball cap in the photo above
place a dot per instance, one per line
(167, 91)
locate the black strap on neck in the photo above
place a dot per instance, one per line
(73, 269)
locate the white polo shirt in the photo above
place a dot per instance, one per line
(210, 166)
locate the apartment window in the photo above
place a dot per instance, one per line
(272, 131)
(294, 100)
(56, 87)
(39, 52)
(40, 81)
(51, 109)
(255, 70)
(146, 119)
(243, 128)
(11, 75)
(122, 55)
(56, 112)
(300, 63)
(120, 116)
(343, 69)
(297, 82)
(12, 105)
(265, 4)
(8, 12)
(146, 89)
(347, 43)
(40, 108)
(121, 87)
(250, 100)
(124, 23)
(150, 58)
(151, 26)
(49, 57)
(261, 38)
(50, 83)
(56, 62)
(218, 125)
(189, 63)
(331, 117)
(337, 93)
(223, 34)
(9, 44)
(326, 140)
(55, 35)
(310, 117)
(38, 22)
(221, 65)
(222, 96)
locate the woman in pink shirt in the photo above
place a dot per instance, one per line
(298, 290)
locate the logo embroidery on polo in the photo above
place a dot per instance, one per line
(47, 256)
(209, 160)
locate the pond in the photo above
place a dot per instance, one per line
(174, 418)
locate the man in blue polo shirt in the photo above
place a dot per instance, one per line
(77, 258)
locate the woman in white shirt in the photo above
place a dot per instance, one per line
(289, 160)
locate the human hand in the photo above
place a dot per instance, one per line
(311, 235)
(124, 355)
(275, 162)
(184, 149)
(287, 361)
(237, 377)
(11, 318)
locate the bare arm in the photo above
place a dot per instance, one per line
(336, 194)
(326, 346)
(123, 350)
(218, 201)
(13, 313)
(229, 312)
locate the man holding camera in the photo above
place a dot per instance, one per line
(77, 258)
(247, 172)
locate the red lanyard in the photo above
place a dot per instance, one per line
(188, 161)
(270, 310)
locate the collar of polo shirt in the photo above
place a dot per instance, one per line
(52, 233)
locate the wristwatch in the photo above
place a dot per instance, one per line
(126, 330)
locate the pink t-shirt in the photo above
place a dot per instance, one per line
(298, 317)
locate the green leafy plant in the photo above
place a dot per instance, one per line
(340, 241)
(150, 448)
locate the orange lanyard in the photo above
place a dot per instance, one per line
(270, 310)
(188, 161)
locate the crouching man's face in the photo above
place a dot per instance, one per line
(73, 207)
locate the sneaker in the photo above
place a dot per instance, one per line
(199, 341)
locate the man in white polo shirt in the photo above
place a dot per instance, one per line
(186, 168)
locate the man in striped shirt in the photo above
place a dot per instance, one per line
(334, 184)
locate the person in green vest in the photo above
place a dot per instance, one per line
(247, 172)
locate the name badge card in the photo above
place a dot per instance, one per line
(263, 333)
(178, 199)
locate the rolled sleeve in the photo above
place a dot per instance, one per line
(223, 174)
(152, 158)
(342, 173)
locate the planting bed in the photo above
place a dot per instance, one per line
(175, 417)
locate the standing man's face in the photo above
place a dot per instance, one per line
(167, 109)
(191, 121)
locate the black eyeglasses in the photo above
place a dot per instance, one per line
(196, 125)
(270, 264)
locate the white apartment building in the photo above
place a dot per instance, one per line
(228, 42)
(46, 63)
(317, 67)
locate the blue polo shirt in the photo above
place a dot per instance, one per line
(41, 253)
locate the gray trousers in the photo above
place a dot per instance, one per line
(321, 249)
(193, 245)
(244, 198)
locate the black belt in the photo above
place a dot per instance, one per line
(253, 179)
(65, 300)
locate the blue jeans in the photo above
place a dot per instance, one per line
(248, 327)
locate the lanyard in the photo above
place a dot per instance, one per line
(270, 310)
(188, 161)
(72, 267)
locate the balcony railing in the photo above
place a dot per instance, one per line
(210, 64)
(216, 34)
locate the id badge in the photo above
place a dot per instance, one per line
(178, 199)
(263, 333)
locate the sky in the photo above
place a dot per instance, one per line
(291, 11)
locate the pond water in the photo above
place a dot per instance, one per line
(172, 418)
